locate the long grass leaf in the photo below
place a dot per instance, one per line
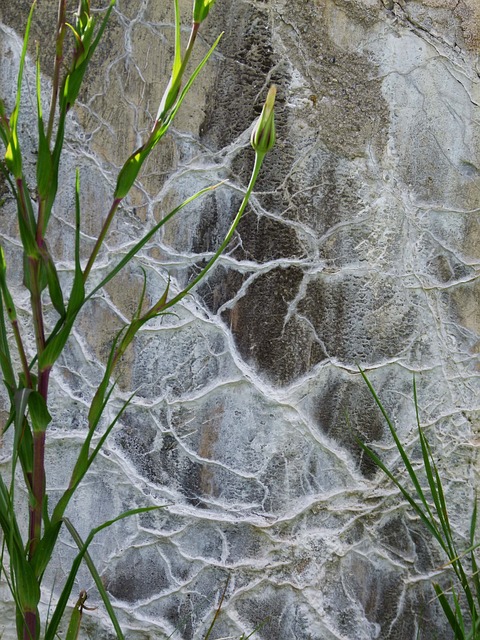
(406, 494)
(401, 450)
(458, 611)
(171, 115)
(44, 159)
(141, 243)
(473, 560)
(13, 155)
(96, 577)
(65, 595)
(6, 360)
(77, 295)
(449, 613)
(434, 481)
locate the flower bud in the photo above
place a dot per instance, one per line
(263, 134)
(201, 9)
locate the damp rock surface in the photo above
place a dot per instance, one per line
(360, 247)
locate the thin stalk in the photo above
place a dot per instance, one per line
(188, 52)
(62, 10)
(38, 475)
(259, 157)
(101, 238)
(191, 42)
(38, 490)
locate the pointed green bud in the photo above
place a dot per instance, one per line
(201, 9)
(263, 134)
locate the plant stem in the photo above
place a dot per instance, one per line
(188, 52)
(189, 49)
(101, 238)
(30, 628)
(38, 476)
(62, 9)
(259, 157)
(38, 490)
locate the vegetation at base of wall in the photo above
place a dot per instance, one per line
(426, 497)
(23, 561)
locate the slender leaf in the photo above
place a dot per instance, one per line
(44, 160)
(141, 243)
(96, 576)
(449, 613)
(53, 282)
(401, 450)
(77, 295)
(63, 600)
(39, 414)
(132, 166)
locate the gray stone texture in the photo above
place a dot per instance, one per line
(361, 247)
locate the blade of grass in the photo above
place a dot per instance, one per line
(399, 446)
(141, 243)
(96, 577)
(65, 595)
(449, 613)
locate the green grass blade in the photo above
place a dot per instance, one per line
(85, 461)
(449, 613)
(44, 159)
(473, 560)
(171, 115)
(21, 426)
(171, 92)
(458, 611)
(65, 595)
(55, 346)
(401, 450)
(434, 482)
(77, 295)
(133, 164)
(139, 245)
(4, 124)
(5, 357)
(177, 58)
(53, 282)
(13, 155)
(96, 577)
(408, 496)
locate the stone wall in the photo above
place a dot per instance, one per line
(361, 246)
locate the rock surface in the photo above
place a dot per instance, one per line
(361, 246)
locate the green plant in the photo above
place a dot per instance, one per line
(26, 378)
(461, 603)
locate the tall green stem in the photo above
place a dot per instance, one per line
(101, 238)
(259, 157)
(62, 9)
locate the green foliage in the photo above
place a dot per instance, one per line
(23, 561)
(461, 604)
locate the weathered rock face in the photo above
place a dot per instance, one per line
(361, 246)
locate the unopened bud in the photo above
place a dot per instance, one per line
(263, 134)
(201, 9)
